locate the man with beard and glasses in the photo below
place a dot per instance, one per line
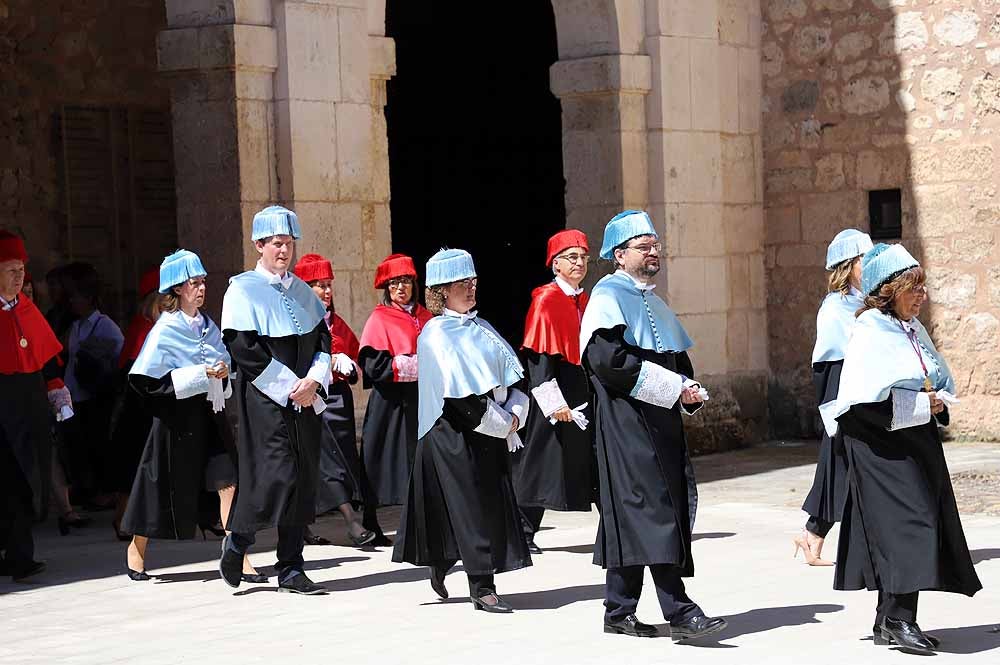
(635, 355)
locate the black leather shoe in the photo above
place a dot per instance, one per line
(437, 582)
(630, 626)
(696, 627)
(882, 641)
(499, 607)
(254, 579)
(381, 540)
(230, 565)
(366, 538)
(138, 575)
(905, 634)
(532, 547)
(19, 573)
(302, 585)
(311, 538)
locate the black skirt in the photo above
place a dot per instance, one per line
(829, 489)
(338, 483)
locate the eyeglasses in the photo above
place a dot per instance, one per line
(919, 290)
(575, 258)
(646, 250)
(469, 283)
(399, 282)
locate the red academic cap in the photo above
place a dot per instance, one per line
(392, 266)
(12, 247)
(563, 241)
(312, 267)
(149, 282)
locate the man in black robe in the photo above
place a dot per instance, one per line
(273, 325)
(634, 351)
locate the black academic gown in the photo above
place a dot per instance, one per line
(389, 433)
(461, 501)
(554, 469)
(339, 466)
(643, 471)
(829, 489)
(278, 447)
(901, 531)
(130, 424)
(183, 436)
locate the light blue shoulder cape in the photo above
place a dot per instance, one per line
(649, 322)
(834, 324)
(460, 357)
(880, 357)
(253, 304)
(172, 344)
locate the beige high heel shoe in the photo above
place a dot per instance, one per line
(810, 550)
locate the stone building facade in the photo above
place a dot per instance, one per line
(751, 130)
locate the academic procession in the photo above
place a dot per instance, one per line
(185, 424)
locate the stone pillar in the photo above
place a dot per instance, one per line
(601, 80)
(705, 189)
(219, 59)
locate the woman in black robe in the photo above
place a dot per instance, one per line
(181, 377)
(901, 532)
(388, 359)
(461, 502)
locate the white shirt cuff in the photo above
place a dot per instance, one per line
(320, 370)
(657, 385)
(496, 421)
(910, 408)
(277, 382)
(549, 397)
(189, 381)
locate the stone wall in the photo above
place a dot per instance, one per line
(862, 95)
(58, 52)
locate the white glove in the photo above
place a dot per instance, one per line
(947, 397)
(701, 389)
(342, 364)
(216, 394)
(514, 442)
(578, 417)
(406, 368)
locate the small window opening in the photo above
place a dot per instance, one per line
(885, 214)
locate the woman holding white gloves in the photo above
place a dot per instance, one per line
(182, 378)
(460, 503)
(339, 485)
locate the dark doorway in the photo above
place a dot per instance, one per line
(475, 142)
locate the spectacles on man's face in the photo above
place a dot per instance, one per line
(646, 250)
(575, 258)
(400, 282)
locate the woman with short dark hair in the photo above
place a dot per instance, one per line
(901, 532)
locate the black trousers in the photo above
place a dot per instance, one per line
(290, 545)
(624, 585)
(902, 606)
(531, 520)
(818, 526)
(479, 585)
(16, 510)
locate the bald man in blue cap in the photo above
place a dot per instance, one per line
(635, 355)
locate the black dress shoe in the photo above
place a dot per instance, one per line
(230, 565)
(532, 547)
(138, 575)
(437, 581)
(696, 627)
(18, 573)
(311, 538)
(366, 538)
(255, 578)
(499, 607)
(381, 540)
(905, 634)
(630, 626)
(881, 640)
(302, 585)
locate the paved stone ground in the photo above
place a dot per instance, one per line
(84, 609)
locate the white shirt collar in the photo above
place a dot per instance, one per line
(285, 280)
(855, 292)
(464, 317)
(8, 305)
(193, 322)
(567, 288)
(639, 285)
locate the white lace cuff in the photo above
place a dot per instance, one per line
(277, 382)
(517, 405)
(549, 397)
(405, 367)
(320, 370)
(496, 422)
(189, 381)
(827, 412)
(657, 385)
(909, 409)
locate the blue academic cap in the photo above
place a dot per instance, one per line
(178, 268)
(881, 263)
(449, 265)
(623, 227)
(275, 221)
(847, 244)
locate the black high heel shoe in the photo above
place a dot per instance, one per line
(138, 576)
(216, 531)
(365, 538)
(311, 538)
(500, 607)
(65, 522)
